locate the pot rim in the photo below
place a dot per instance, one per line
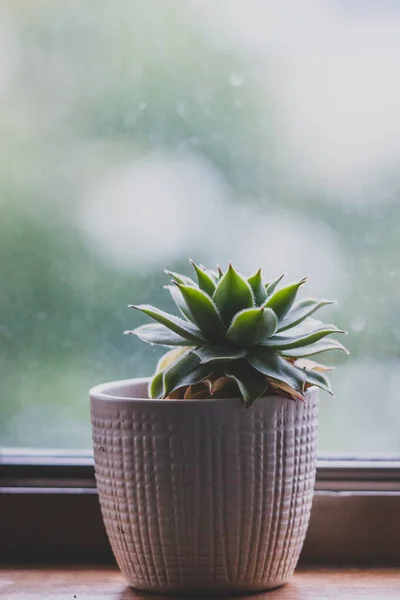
(103, 392)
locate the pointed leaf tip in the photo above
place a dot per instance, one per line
(177, 277)
(258, 288)
(155, 333)
(282, 300)
(323, 345)
(205, 280)
(271, 285)
(318, 379)
(177, 325)
(232, 294)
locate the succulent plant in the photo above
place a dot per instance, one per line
(237, 337)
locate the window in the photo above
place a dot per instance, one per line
(138, 134)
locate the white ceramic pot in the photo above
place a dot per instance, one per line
(202, 495)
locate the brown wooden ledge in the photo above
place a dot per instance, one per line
(106, 583)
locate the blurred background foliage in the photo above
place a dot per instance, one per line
(137, 134)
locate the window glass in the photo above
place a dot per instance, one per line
(136, 134)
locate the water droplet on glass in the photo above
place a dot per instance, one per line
(142, 105)
(238, 103)
(358, 324)
(236, 79)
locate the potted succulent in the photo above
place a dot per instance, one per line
(206, 470)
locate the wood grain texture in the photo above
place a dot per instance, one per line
(107, 583)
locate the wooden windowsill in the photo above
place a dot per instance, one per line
(106, 583)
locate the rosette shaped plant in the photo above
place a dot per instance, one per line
(238, 337)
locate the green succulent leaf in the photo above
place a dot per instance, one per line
(211, 352)
(233, 293)
(187, 370)
(318, 379)
(307, 326)
(259, 291)
(183, 279)
(239, 331)
(271, 285)
(316, 348)
(179, 301)
(212, 273)
(169, 357)
(302, 310)
(154, 333)
(271, 364)
(286, 342)
(282, 300)
(156, 385)
(175, 324)
(252, 384)
(206, 281)
(203, 311)
(252, 326)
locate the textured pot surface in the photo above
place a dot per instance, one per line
(202, 495)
